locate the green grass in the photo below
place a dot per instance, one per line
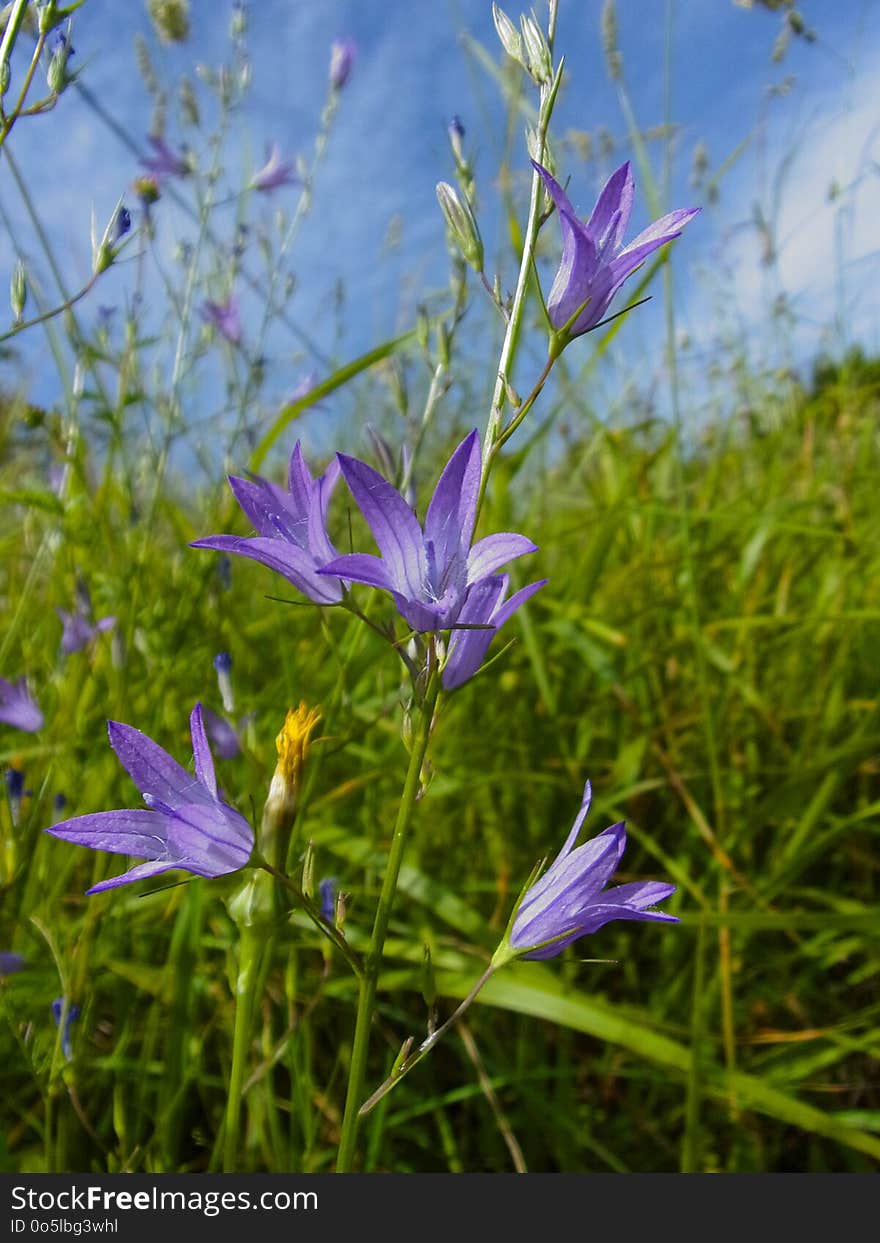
(744, 1039)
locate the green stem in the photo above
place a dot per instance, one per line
(410, 1062)
(514, 323)
(370, 978)
(248, 974)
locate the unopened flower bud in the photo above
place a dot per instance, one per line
(509, 35)
(462, 225)
(540, 61)
(18, 290)
(455, 130)
(253, 903)
(4, 76)
(57, 76)
(343, 53)
(223, 669)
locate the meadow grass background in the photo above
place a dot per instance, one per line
(706, 653)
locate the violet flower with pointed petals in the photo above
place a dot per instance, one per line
(595, 263)
(18, 707)
(187, 825)
(225, 318)
(292, 528)
(78, 630)
(568, 901)
(275, 172)
(485, 605)
(430, 572)
(163, 162)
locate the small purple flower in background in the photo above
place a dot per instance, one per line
(223, 668)
(485, 606)
(275, 172)
(292, 527)
(428, 573)
(187, 826)
(568, 901)
(343, 54)
(68, 1019)
(594, 261)
(78, 629)
(163, 162)
(59, 802)
(224, 738)
(327, 891)
(225, 318)
(10, 963)
(18, 707)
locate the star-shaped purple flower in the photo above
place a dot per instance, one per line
(164, 162)
(187, 825)
(428, 573)
(275, 172)
(18, 707)
(568, 901)
(595, 263)
(225, 318)
(78, 630)
(485, 605)
(292, 527)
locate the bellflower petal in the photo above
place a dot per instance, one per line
(449, 522)
(594, 262)
(394, 526)
(488, 555)
(484, 606)
(202, 758)
(568, 901)
(187, 825)
(292, 525)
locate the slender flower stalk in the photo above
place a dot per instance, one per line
(373, 963)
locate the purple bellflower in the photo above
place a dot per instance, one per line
(569, 900)
(292, 527)
(78, 630)
(275, 172)
(10, 963)
(484, 606)
(224, 737)
(163, 162)
(343, 54)
(18, 707)
(595, 263)
(225, 318)
(428, 573)
(187, 825)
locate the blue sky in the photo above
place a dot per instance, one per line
(389, 148)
